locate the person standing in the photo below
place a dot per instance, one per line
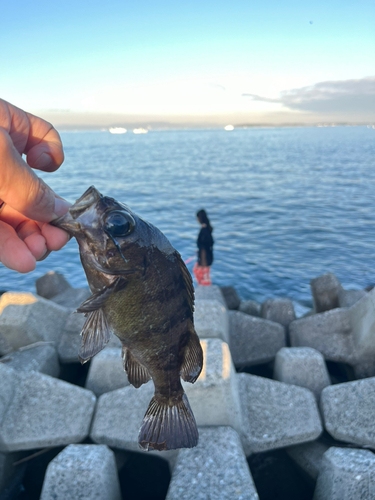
(205, 244)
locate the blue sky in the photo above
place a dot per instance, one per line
(180, 59)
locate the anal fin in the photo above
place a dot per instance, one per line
(193, 359)
(168, 427)
(137, 373)
(95, 335)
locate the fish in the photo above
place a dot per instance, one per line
(143, 293)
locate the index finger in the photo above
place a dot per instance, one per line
(43, 148)
(32, 136)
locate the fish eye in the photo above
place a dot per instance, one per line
(119, 224)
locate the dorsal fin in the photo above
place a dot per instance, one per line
(188, 281)
(98, 299)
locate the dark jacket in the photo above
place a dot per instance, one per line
(206, 242)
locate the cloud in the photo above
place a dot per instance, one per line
(356, 97)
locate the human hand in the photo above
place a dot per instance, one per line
(29, 204)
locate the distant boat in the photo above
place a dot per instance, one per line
(229, 127)
(117, 130)
(140, 131)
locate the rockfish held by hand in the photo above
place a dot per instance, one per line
(143, 293)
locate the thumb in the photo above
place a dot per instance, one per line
(22, 189)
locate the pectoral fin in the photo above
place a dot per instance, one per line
(95, 335)
(98, 299)
(193, 359)
(137, 373)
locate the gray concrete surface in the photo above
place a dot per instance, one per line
(40, 357)
(325, 291)
(346, 474)
(82, 471)
(278, 310)
(254, 340)
(40, 411)
(348, 411)
(26, 318)
(328, 332)
(250, 307)
(215, 469)
(106, 372)
(302, 366)
(51, 284)
(276, 415)
(211, 319)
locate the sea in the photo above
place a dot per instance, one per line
(286, 204)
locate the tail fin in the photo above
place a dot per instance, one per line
(166, 427)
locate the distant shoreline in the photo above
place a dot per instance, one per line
(172, 127)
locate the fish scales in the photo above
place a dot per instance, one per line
(143, 293)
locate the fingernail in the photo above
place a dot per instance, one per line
(44, 256)
(61, 207)
(43, 161)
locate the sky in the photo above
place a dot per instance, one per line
(189, 63)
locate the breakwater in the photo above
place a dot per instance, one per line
(278, 397)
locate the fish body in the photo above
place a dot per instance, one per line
(143, 293)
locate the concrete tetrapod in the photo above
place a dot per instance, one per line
(215, 469)
(276, 415)
(302, 366)
(348, 411)
(26, 318)
(346, 474)
(211, 319)
(51, 284)
(37, 357)
(37, 411)
(86, 471)
(254, 340)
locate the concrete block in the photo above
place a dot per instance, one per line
(254, 340)
(348, 411)
(212, 292)
(40, 411)
(118, 416)
(37, 357)
(215, 469)
(230, 296)
(346, 474)
(328, 333)
(362, 321)
(72, 298)
(26, 318)
(308, 457)
(347, 298)
(5, 348)
(278, 310)
(325, 291)
(302, 366)
(70, 339)
(211, 320)
(86, 471)
(51, 284)
(250, 307)
(106, 372)
(276, 415)
(214, 396)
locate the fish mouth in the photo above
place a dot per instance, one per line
(68, 221)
